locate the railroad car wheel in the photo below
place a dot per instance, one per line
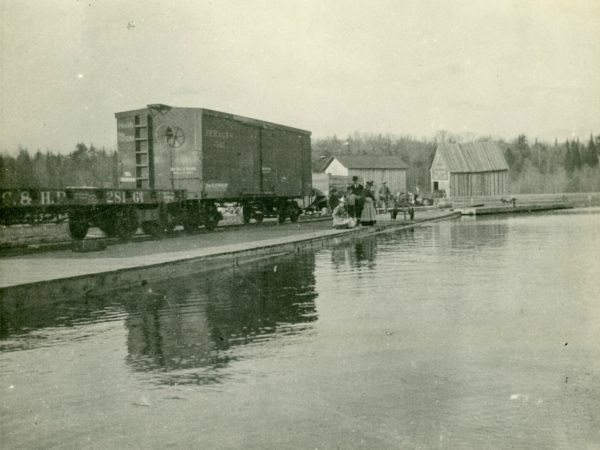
(108, 227)
(259, 217)
(281, 214)
(78, 226)
(190, 226)
(152, 228)
(294, 213)
(246, 214)
(126, 224)
(211, 223)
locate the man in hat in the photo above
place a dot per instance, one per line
(384, 195)
(358, 190)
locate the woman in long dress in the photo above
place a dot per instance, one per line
(341, 219)
(369, 214)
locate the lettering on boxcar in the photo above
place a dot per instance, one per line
(218, 134)
(52, 197)
(7, 199)
(115, 197)
(137, 197)
(85, 197)
(185, 169)
(125, 125)
(25, 198)
(216, 188)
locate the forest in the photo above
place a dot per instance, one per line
(535, 167)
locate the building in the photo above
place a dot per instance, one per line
(378, 169)
(467, 170)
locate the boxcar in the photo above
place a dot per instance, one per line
(176, 165)
(215, 157)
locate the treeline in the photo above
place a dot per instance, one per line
(85, 166)
(535, 167)
(416, 154)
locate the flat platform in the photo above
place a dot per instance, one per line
(482, 210)
(126, 263)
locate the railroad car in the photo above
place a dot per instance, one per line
(176, 166)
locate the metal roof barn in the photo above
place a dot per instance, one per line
(471, 169)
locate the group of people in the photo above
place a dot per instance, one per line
(357, 206)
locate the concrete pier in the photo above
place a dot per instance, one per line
(33, 278)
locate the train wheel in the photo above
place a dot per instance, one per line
(246, 213)
(259, 217)
(190, 224)
(152, 228)
(126, 223)
(281, 214)
(78, 226)
(211, 223)
(108, 227)
(294, 212)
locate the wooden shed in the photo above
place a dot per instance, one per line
(378, 169)
(472, 169)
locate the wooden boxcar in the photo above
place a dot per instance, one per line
(215, 157)
(176, 165)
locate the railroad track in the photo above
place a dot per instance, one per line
(25, 248)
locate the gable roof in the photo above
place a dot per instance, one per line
(372, 162)
(321, 164)
(473, 157)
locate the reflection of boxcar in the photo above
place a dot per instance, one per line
(215, 156)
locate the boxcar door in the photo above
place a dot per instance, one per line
(230, 158)
(282, 168)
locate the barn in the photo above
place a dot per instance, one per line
(378, 169)
(468, 170)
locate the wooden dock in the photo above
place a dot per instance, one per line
(50, 276)
(484, 210)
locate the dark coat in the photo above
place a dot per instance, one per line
(357, 190)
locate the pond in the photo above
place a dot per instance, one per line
(469, 334)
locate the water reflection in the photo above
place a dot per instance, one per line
(30, 317)
(178, 326)
(471, 232)
(185, 331)
(359, 253)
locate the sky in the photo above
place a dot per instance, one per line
(407, 67)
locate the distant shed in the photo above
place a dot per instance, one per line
(472, 169)
(378, 169)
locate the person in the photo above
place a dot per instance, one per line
(384, 196)
(351, 203)
(368, 215)
(341, 219)
(333, 199)
(357, 189)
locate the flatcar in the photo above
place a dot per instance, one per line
(176, 166)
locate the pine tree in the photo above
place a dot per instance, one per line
(591, 153)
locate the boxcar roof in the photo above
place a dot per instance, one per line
(247, 120)
(473, 157)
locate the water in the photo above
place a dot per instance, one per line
(466, 334)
